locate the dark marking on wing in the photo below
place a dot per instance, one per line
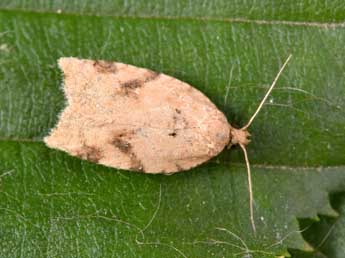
(136, 163)
(126, 148)
(179, 122)
(124, 133)
(90, 153)
(151, 75)
(122, 145)
(127, 88)
(104, 66)
(132, 84)
(179, 168)
(173, 134)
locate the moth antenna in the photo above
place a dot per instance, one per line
(239, 136)
(250, 188)
(267, 94)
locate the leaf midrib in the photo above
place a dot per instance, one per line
(256, 165)
(323, 25)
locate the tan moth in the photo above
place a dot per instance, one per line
(127, 117)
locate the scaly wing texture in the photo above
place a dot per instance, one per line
(133, 118)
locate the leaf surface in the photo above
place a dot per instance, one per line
(54, 205)
(264, 10)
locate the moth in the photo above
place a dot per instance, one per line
(132, 118)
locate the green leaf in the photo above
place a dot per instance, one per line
(327, 235)
(53, 205)
(302, 10)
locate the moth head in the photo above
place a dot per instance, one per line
(239, 136)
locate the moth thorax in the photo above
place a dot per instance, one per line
(239, 136)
